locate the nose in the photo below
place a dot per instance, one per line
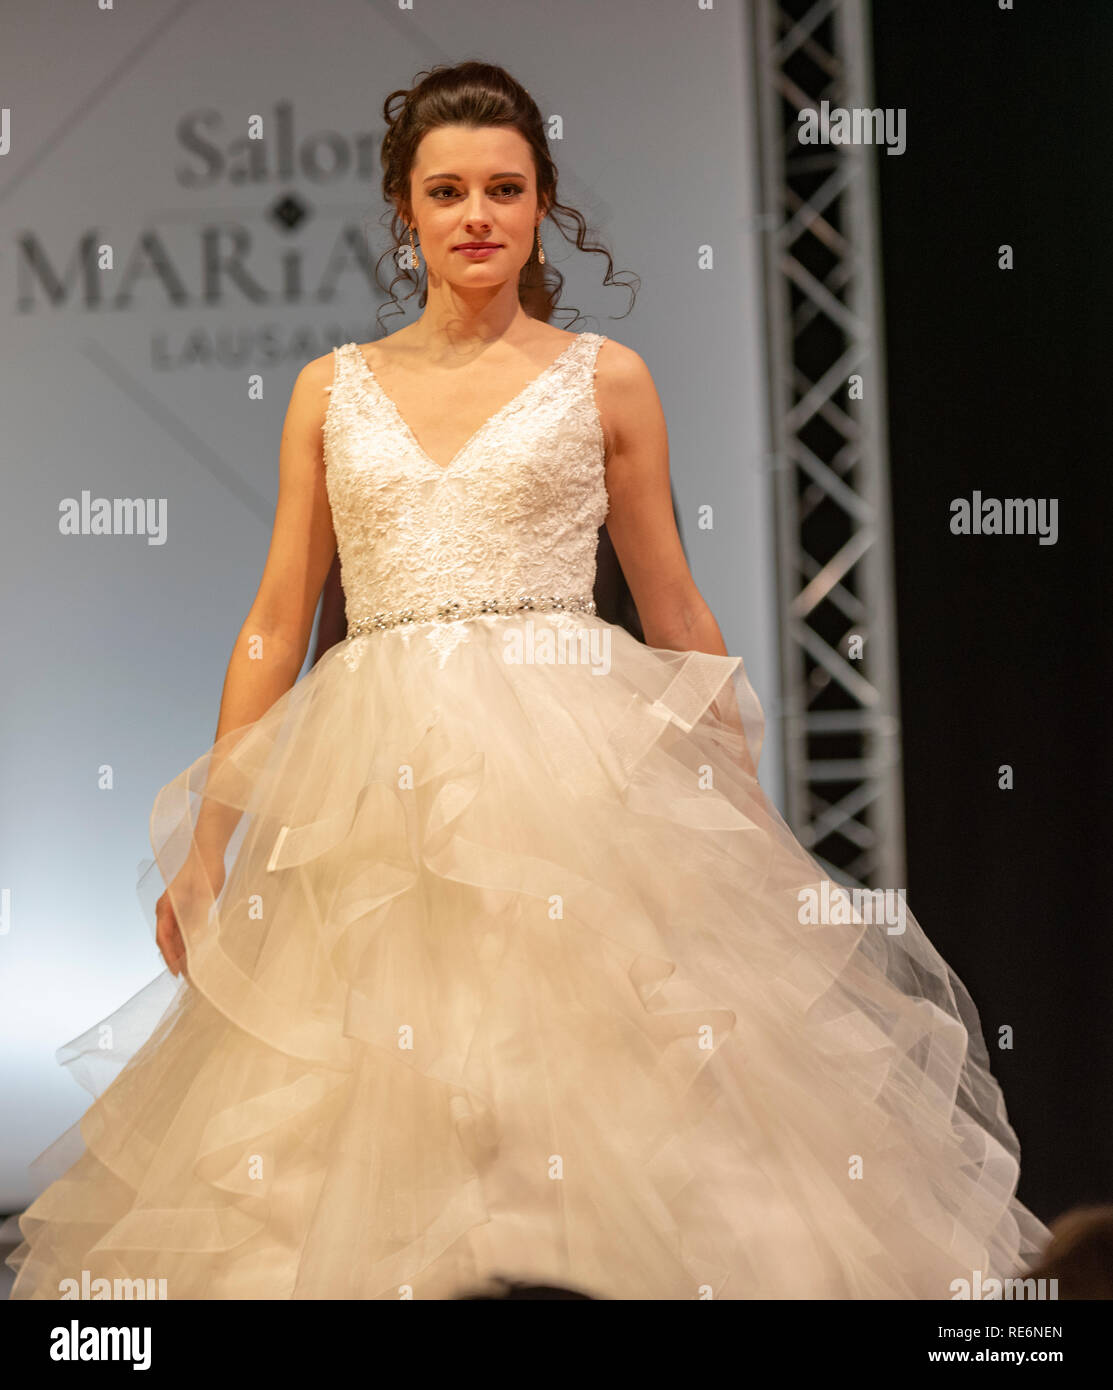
(476, 214)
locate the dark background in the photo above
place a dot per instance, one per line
(999, 380)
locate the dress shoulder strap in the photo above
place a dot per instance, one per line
(344, 361)
(587, 355)
(581, 356)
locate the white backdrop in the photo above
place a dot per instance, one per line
(131, 382)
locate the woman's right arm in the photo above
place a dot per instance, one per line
(271, 646)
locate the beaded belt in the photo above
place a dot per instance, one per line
(455, 610)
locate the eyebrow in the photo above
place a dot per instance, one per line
(512, 174)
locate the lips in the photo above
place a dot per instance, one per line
(477, 246)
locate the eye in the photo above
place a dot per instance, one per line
(502, 190)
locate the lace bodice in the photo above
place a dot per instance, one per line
(516, 511)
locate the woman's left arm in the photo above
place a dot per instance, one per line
(640, 521)
(642, 525)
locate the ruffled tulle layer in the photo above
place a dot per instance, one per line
(509, 974)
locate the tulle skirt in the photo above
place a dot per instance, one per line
(514, 970)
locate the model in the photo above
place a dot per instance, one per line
(493, 956)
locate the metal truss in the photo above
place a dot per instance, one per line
(840, 710)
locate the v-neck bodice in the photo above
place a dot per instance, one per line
(534, 384)
(516, 511)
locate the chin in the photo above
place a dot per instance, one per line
(479, 273)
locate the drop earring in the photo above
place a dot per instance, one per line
(540, 248)
(415, 259)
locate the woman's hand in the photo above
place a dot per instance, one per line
(198, 883)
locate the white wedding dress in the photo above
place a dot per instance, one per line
(509, 972)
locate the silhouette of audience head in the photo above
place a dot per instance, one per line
(1080, 1254)
(505, 1289)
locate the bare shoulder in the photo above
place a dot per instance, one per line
(310, 393)
(629, 407)
(318, 373)
(309, 398)
(619, 369)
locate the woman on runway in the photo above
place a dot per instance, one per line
(493, 956)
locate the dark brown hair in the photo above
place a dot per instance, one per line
(479, 94)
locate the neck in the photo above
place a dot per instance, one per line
(457, 320)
